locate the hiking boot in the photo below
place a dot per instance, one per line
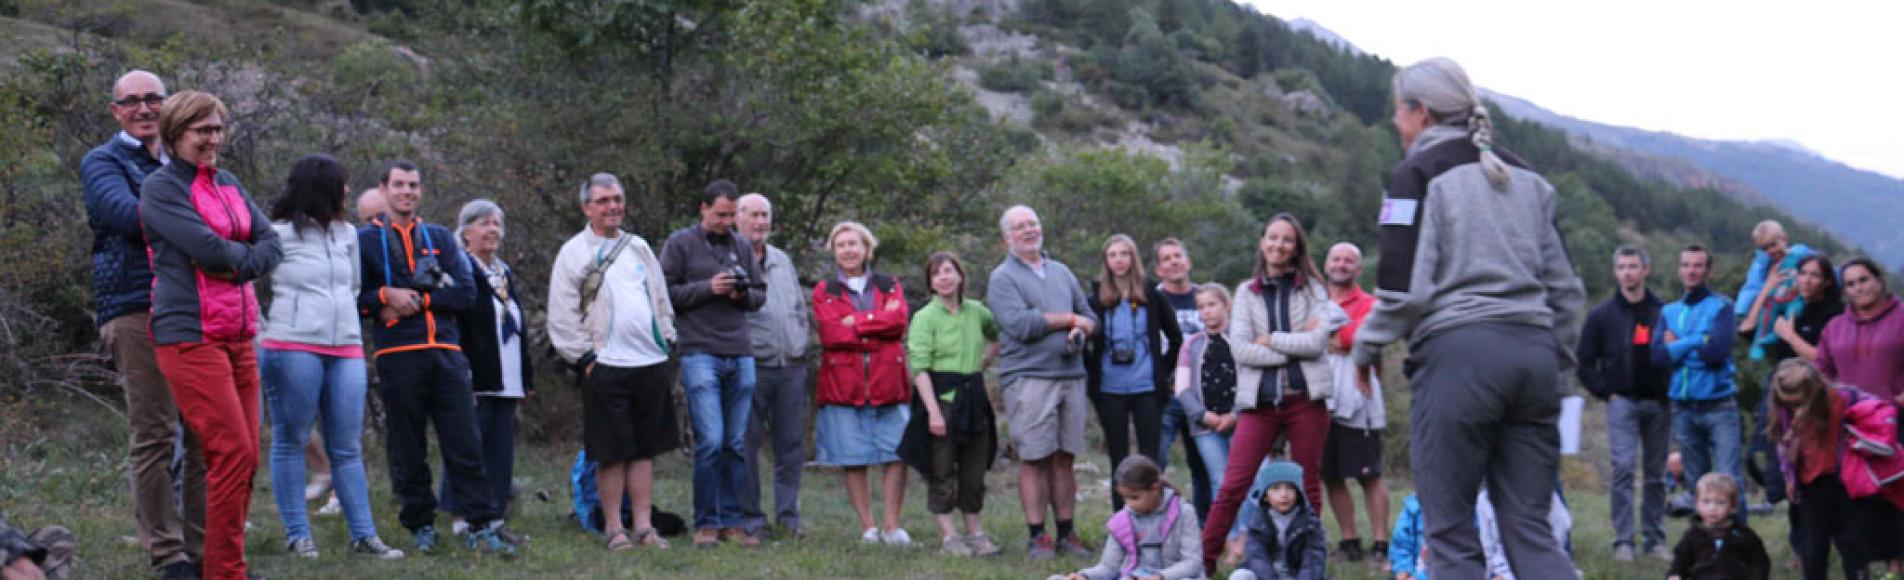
(955, 546)
(1350, 550)
(1623, 553)
(375, 548)
(303, 547)
(1041, 548)
(740, 536)
(981, 545)
(486, 541)
(425, 540)
(1073, 546)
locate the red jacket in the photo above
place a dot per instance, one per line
(862, 364)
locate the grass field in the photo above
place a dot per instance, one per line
(63, 464)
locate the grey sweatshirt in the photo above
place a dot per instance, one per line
(1019, 299)
(1457, 251)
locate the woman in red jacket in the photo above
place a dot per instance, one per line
(863, 395)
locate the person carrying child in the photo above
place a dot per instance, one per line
(1155, 536)
(1717, 545)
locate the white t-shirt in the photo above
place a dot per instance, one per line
(633, 335)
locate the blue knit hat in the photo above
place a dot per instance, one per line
(1274, 472)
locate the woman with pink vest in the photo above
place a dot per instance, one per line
(207, 241)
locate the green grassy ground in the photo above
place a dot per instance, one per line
(67, 468)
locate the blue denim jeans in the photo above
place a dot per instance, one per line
(720, 392)
(1708, 436)
(1175, 425)
(303, 387)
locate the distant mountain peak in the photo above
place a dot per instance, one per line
(1325, 35)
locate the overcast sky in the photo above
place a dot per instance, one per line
(1828, 75)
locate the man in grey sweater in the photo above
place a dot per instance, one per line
(1471, 262)
(780, 332)
(704, 263)
(1043, 319)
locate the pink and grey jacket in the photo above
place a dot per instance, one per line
(207, 241)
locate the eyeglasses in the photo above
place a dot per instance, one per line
(208, 131)
(152, 100)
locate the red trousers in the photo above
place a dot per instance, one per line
(215, 385)
(1307, 425)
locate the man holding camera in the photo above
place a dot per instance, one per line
(415, 280)
(714, 282)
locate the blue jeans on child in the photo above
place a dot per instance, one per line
(303, 387)
(720, 391)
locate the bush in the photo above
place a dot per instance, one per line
(1014, 75)
(934, 32)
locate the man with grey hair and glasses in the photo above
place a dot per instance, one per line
(610, 316)
(1616, 365)
(170, 517)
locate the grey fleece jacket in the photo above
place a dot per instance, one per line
(1019, 299)
(1455, 250)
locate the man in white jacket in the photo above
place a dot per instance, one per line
(610, 316)
(1357, 417)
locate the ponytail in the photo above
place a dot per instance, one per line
(1444, 88)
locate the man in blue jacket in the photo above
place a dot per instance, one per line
(122, 298)
(1694, 339)
(416, 280)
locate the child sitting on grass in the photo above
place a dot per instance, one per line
(1285, 540)
(1717, 546)
(1155, 536)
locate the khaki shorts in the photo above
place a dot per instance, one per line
(1046, 416)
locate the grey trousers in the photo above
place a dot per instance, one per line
(780, 412)
(1489, 417)
(1639, 429)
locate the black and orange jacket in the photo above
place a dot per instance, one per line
(391, 252)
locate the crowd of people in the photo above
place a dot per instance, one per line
(1271, 384)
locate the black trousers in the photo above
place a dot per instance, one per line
(421, 387)
(496, 428)
(1116, 414)
(1863, 529)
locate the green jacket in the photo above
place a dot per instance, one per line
(940, 341)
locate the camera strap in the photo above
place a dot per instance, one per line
(383, 232)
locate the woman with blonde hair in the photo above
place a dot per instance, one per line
(863, 393)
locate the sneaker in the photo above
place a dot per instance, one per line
(1073, 546)
(374, 547)
(303, 547)
(1350, 550)
(1623, 553)
(425, 540)
(487, 541)
(502, 531)
(740, 536)
(870, 536)
(331, 507)
(955, 546)
(981, 545)
(180, 570)
(897, 537)
(1041, 548)
(320, 484)
(459, 527)
(1659, 551)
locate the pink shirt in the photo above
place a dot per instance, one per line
(340, 351)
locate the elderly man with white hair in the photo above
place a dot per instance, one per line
(779, 331)
(1043, 321)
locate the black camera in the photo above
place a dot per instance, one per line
(429, 276)
(1123, 354)
(742, 279)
